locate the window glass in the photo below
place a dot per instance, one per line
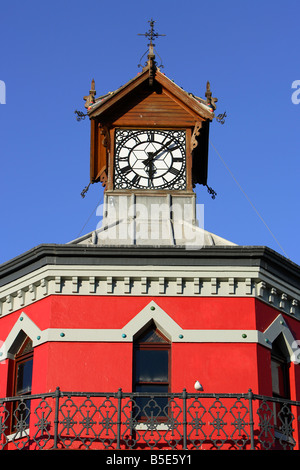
(279, 368)
(151, 365)
(24, 377)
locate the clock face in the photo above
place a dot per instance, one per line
(150, 159)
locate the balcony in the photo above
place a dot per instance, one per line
(139, 421)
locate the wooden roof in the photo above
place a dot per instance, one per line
(198, 107)
(150, 100)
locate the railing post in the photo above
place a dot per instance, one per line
(56, 414)
(184, 397)
(119, 396)
(251, 422)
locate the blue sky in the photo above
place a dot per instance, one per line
(50, 51)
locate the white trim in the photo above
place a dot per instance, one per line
(152, 312)
(185, 281)
(277, 327)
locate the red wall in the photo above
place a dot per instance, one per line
(220, 367)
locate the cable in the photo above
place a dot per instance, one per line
(248, 199)
(89, 217)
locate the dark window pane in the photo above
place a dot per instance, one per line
(151, 365)
(278, 384)
(151, 336)
(152, 389)
(24, 377)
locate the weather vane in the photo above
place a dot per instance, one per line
(151, 34)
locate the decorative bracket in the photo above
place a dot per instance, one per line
(221, 118)
(196, 133)
(80, 115)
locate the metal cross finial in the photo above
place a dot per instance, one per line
(151, 34)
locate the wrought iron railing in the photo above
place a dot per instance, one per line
(137, 421)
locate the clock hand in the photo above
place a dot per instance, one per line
(149, 159)
(160, 150)
(165, 148)
(151, 170)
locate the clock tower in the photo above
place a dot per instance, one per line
(149, 149)
(165, 347)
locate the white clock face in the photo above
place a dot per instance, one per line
(150, 159)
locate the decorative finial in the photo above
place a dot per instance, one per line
(151, 34)
(91, 97)
(209, 99)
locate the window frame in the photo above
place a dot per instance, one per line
(278, 356)
(164, 345)
(21, 356)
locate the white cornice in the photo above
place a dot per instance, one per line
(204, 281)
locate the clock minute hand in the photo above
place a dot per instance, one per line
(153, 154)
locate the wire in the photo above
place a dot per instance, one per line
(89, 217)
(226, 166)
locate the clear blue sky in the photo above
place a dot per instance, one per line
(50, 51)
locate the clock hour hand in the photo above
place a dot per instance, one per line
(150, 166)
(148, 160)
(151, 171)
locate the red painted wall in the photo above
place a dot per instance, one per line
(220, 368)
(223, 367)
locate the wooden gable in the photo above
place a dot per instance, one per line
(154, 110)
(140, 104)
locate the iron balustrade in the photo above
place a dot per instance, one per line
(176, 421)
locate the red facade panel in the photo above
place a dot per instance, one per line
(101, 366)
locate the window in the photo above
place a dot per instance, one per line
(20, 385)
(279, 369)
(151, 372)
(280, 381)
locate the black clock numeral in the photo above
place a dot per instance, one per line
(174, 171)
(177, 159)
(150, 184)
(125, 169)
(150, 136)
(136, 179)
(168, 143)
(136, 138)
(167, 136)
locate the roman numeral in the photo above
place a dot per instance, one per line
(174, 171)
(136, 179)
(150, 136)
(125, 169)
(136, 138)
(177, 159)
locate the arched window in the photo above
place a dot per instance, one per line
(20, 381)
(280, 382)
(280, 368)
(151, 370)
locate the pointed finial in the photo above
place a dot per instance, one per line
(91, 97)
(209, 99)
(151, 34)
